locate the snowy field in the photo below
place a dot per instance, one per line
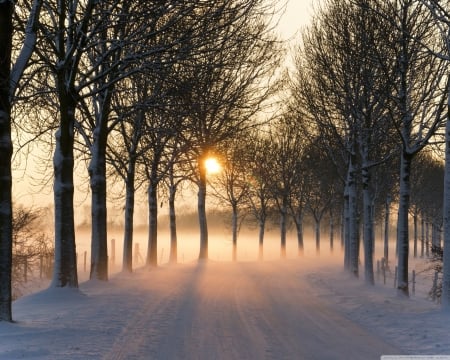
(301, 308)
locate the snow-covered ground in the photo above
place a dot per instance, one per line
(305, 308)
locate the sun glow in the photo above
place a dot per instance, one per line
(212, 165)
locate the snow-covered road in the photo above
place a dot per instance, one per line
(246, 311)
(196, 311)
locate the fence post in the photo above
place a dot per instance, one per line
(41, 264)
(25, 268)
(395, 277)
(434, 289)
(113, 252)
(414, 282)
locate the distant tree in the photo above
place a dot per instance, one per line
(321, 185)
(160, 130)
(353, 76)
(232, 183)
(427, 179)
(228, 82)
(441, 17)
(259, 193)
(286, 152)
(176, 174)
(32, 247)
(417, 103)
(123, 152)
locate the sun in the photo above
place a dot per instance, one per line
(212, 165)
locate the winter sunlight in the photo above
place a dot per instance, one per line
(212, 166)
(227, 179)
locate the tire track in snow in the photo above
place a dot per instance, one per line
(144, 332)
(296, 322)
(240, 311)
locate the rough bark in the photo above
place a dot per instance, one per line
(201, 206)
(346, 226)
(298, 219)
(402, 227)
(99, 237)
(422, 235)
(317, 234)
(416, 232)
(352, 221)
(129, 217)
(152, 252)
(283, 229)
(331, 231)
(6, 149)
(234, 223)
(445, 298)
(368, 229)
(386, 229)
(65, 270)
(173, 226)
(262, 227)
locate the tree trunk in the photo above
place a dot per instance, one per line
(386, 229)
(283, 215)
(346, 226)
(353, 223)
(234, 230)
(99, 239)
(65, 268)
(173, 226)
(262, 227)
(368, 229)
(129, 217)
(445, 298)
(331, 230)
(402, 227)
(317, 234)
(6, 150)
(201, 206)
(299, 227)
(422, 236)
(342, 228)
(416, 232)
(152, 251)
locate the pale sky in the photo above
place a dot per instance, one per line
(297, 15)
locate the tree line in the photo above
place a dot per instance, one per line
(137, 92)
(370, 82)
(143, 95)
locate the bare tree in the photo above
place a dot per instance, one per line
(231, 185)
(6, 148)
(9, 81)
(259, 193)
(441, 16)
(66, 32)
(286, 153)
(320, 184)
(227, 83)
(123, 152)
(418, 101)
(349, 59)
(32, 247)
